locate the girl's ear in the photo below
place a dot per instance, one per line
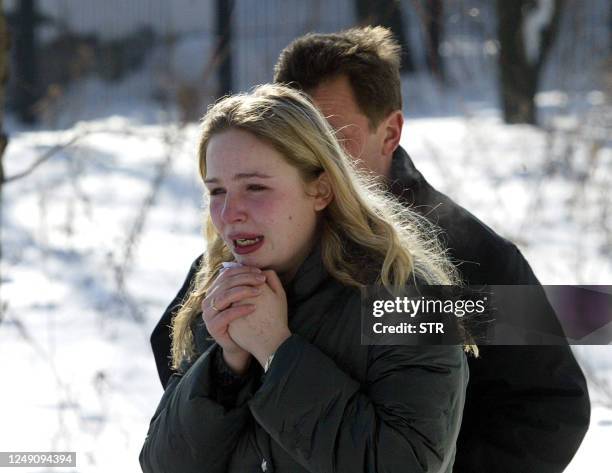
(322, 192)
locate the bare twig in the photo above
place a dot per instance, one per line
(62, 146)
(132, 240)
(44, 157)
(66, 398)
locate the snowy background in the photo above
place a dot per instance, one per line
(98, 238)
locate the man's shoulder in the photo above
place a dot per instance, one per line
(483, 255)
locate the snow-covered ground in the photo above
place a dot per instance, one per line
(97, 240)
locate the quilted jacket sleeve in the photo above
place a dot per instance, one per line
(406, 418)
(191, 431)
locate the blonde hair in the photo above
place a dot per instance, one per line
(361, 221)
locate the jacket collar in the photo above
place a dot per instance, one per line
(405, 179)
(309, 276)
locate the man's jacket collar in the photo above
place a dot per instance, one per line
(404, 179)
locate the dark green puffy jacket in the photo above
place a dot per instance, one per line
(327, 403)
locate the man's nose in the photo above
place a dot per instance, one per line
(233, 209)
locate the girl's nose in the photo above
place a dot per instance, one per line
(233, 211)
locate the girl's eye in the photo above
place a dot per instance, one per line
(256, 187)
(216, 191)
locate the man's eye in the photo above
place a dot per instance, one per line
(216, 191)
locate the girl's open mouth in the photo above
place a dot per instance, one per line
(243, 246)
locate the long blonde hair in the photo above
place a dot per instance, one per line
(362, 219)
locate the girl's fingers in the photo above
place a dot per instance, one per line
(219, 301)
(243, 279)
(274, 282)
(225, 299)
(209, 308)
(218, 325)
(232, 285)
(229, 273)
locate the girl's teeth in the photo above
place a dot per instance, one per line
(246, 242)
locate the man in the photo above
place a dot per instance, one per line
(527, 407)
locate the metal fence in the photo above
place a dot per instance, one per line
(175, 44)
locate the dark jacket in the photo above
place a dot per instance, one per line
(527, 407)
(326, 404)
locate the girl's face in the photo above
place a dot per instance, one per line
(259, 204)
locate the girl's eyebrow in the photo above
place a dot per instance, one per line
(242, 175)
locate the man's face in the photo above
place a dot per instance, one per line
(336, 100)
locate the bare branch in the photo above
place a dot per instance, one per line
(59, 147)
(171, 139)
(46, 156)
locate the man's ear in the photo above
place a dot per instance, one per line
(392, 129)
(322, 192)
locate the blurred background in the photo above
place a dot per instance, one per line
(101, 204)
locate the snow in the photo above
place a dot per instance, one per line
(77, 355)
(97, 240)
(76, 350)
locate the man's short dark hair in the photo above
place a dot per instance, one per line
(369, 57)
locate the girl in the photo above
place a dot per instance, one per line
(272, 375)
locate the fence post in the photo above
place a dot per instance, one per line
(224, 46)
